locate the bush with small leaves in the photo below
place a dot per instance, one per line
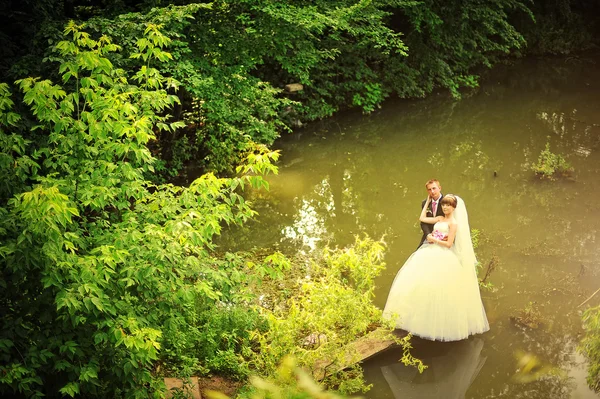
(550, 164)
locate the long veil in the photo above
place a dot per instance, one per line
(462, 241)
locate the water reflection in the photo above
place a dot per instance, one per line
(452, 368)
(581, 136)
(322, 214)
(308, 227)
(309, 222)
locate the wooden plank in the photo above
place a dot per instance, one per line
(358, 351)
(294, 87)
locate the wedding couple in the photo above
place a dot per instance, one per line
(435, 295)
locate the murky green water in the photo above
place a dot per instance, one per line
(365, 174)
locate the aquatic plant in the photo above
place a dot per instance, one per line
(530, 316)
(549, 164)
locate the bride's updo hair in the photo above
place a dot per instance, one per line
(450, 199)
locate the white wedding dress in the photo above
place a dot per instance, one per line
(435, 295)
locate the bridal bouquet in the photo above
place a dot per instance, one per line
(439, 235)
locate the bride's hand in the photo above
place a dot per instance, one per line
(430, 238)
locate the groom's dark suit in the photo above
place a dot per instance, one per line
(426, 227)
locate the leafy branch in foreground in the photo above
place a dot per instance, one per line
(105, 277)
(289, 381)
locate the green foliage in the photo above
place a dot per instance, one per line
(337, 50)
(549, 164)
(105, 276)
(330, 307)
(224, 108)
(561, 27)
(12, 147)
(225, 342)
(447, 40)
(590, 346)
(233, 58)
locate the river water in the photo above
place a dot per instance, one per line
(356, 174)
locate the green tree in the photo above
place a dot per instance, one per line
(234, 57)
(101, 269)
(447, 40)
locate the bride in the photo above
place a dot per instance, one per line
(435, 295)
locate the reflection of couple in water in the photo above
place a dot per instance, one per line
(435, 295)
(451, 369)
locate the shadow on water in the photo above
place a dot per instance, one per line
(357, 174)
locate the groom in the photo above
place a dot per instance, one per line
(435, 207)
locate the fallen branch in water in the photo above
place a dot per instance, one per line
(591, 296)
(490, 268)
